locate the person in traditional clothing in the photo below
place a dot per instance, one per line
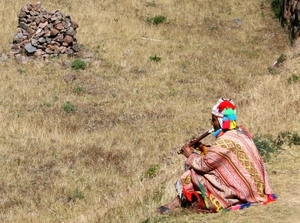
(228, 175)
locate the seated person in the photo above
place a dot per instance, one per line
(228, 175)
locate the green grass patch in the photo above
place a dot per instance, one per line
(293, 79)
(78, 64)
(268, 145)
(156, 19)
(155, 58)
(68, 107)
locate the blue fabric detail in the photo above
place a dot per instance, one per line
(274, 196)
(225, 118)
(216, 133)
(245, 205)
(231, 117)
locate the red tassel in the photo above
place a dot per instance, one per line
(189, 194)
(226, 124)
(225, 104)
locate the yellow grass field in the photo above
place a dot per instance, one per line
(113, 158)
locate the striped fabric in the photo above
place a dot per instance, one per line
(231, 175)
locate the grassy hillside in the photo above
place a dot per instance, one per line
(102, 148)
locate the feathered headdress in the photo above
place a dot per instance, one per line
(226, 113)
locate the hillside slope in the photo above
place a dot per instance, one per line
(102, 146)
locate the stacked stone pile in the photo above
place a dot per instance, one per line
(42, 33)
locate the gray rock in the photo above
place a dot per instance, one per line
(42, 40)
(29, 48)
(24, 26)
(69, 77)
(238, 21)
(18, 38)
(71, 32)
(75, 47)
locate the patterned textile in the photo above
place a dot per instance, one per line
(230, 176)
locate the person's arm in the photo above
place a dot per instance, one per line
(187, 150)
(196, 161)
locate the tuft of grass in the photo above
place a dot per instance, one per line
(272, 70)
(279, 61)
(293, 79)
(281, 58)
(76, 195)
(46, 104)
(78, 90)
(55, 98)
(154, 58)
(68, 107)
(152, 3)
(156, 19)
(151, 172)
(78, 64)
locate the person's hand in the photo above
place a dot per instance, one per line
(196, 144)
(187, 150)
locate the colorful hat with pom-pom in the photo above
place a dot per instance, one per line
(226, 113)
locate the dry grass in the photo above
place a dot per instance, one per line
(132, 114)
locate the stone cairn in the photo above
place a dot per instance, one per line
(42, 33)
